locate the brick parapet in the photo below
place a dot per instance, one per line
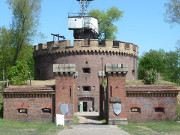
(107, 46)
(65, 69)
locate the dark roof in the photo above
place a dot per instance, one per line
(28, 89)
(152, 88)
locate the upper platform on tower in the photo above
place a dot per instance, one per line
(83, 25)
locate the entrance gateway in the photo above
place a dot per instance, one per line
(114, 103)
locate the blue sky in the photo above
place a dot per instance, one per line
(142, 23)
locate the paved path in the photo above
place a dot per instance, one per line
(89, 125)
(93, 130)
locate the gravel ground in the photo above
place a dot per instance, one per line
(89, 125)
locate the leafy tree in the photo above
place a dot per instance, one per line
(171, 73)
(23, 27)
(5, 50)
(150, 77)
(18, 74)
(107, 29)
(178, 53)
(153, 59)
(173, 11)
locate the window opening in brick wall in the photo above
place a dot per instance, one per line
(116, 44)
(133, 72)
(46, 110)
(22, 110)
(111, 91)
(87, 42)
(102, 43)
(127, 46)
(86, 88)
(136, 109)
(86, 70)
(134, 48)
(70, 91)
(159, 109)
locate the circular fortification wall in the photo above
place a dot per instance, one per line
(90, 57)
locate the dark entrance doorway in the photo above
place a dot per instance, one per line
(84, 106)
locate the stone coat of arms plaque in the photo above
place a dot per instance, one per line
(117, 108)
(64, 108)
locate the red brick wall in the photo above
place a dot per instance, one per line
(33, 106)
(62, 95)
(147, 105)
(118, 84)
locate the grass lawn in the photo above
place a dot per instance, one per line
(23, 128)
(76, 120)
(151, 128)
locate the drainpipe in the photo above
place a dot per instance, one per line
(73, 95)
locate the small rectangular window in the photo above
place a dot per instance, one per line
(116, 44)
(86, 88)
(86, 70)
(159, 109)
(86, 42)
(22, 111)
(136, 109)
(70, 91)
(46, 110)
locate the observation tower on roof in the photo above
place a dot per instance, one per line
(83, 25)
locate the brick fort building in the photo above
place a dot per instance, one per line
(90, 76)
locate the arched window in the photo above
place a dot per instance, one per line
(159, 109)
(22, 110)
(136, 109)
(46, 110)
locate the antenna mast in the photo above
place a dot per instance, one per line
(83, 6)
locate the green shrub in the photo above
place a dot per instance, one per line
(150, 77)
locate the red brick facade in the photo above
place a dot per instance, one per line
(34, 100)
(66, 93)
(149, 99)
(139, 103)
